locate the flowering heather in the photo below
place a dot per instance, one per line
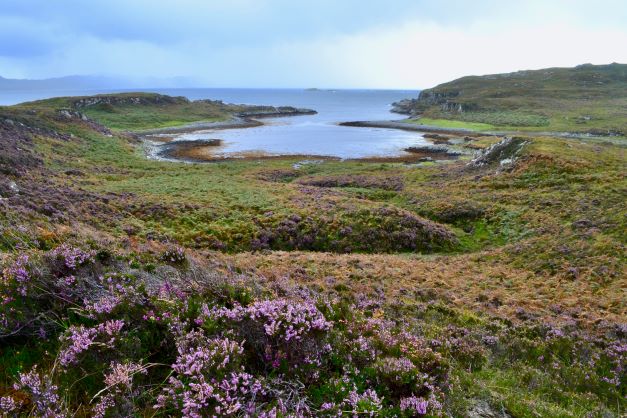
(17, 275)
(367, 403)
(174, 255)
(414, 405)
(79, 339)
(207, 379)
(7, 405)
(104, 305)
(229, 349)
(282, 318)
(117, 397)
(43, 398)
(121, 374)
(72, 257)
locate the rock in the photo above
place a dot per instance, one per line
(405, 107)
(13, 187)
(505, 152)
(583, 223)
(8, 189)
(482, 409)
(128, 99)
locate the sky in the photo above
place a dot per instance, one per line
(302, 43)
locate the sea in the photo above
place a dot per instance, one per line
(318, 134)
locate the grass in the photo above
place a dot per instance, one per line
(585, 99)
(129, 117)
(142, 111)
(453, 124)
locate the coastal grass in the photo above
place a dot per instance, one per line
(452, 124)
(587, 99)
(137, 118)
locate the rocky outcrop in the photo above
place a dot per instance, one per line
(128, 99)
(69, 114)
(504, 152)
(428, 98)
(272, 111)
(482, 409)
(405, 107)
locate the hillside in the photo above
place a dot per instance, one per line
(141, 111)
(587, 98)
(491, 285)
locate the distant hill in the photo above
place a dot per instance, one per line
(81, 82)
(583, 98)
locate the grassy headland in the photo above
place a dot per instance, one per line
(492, 287)
(586, 99)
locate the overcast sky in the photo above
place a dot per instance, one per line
(302, 43)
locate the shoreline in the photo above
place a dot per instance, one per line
(233, 123)
(405, 126)
(204, 151)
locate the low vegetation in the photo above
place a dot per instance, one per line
(588, 99)
(489, 285)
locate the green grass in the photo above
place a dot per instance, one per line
(585, 99)
(453, 124)
(138, 118)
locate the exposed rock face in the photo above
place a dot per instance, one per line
(430, 97)
(76, 115)
(405, 107)
(72, 114)
(426, 98)
(503, 152)
(482, 409)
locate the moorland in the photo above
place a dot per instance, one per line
(483, 278)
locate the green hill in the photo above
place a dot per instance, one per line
(587, 98)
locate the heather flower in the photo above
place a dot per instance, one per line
(121, 374)
(119, 392)
(72, 257)
(69, 280)
(80, 339)
(554, 333)
(282, 318)
(367, 403)
(206, 378)
(490, 340)
(175, 255)
(8, 404)
(17, 275)
(104, 305)
(43, 394)
(414, 406)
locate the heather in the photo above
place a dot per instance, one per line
(117, 338)
(492, 284)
